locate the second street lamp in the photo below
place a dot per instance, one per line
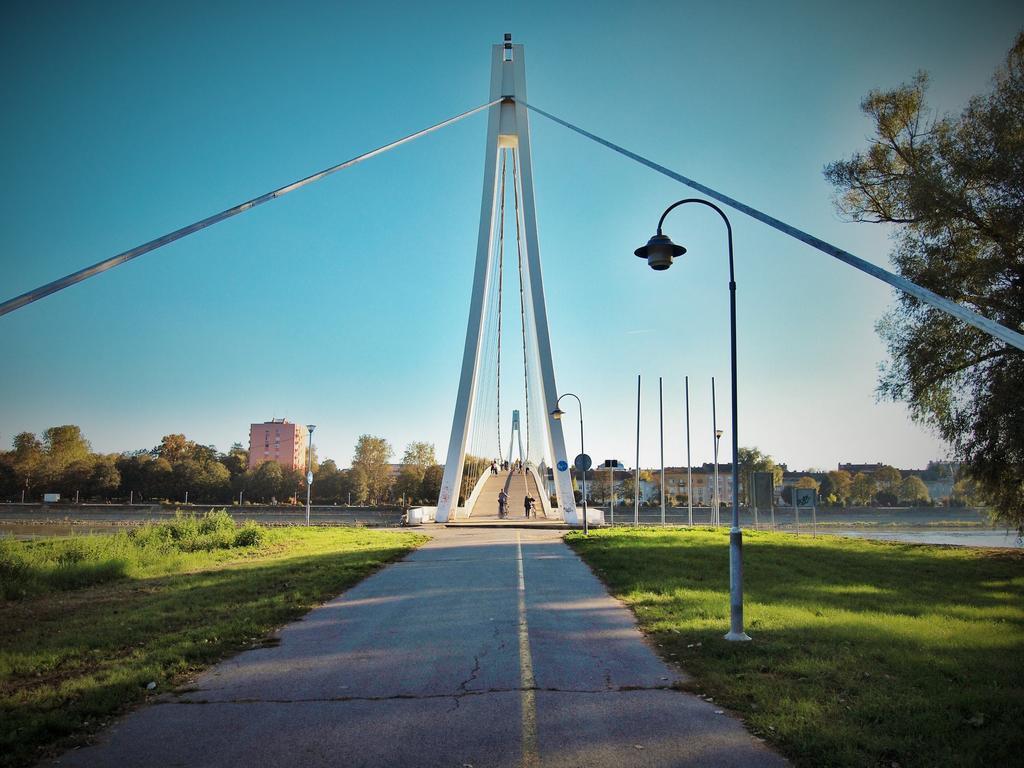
(660, 251)
(309, 469)
(558, 413)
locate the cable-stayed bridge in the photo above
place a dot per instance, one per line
(508, 279)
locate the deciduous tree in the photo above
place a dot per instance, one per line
(953, 188)
(372, 455)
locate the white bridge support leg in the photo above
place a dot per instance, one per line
(507, 127)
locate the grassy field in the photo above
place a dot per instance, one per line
(864, 653)
(88, 623)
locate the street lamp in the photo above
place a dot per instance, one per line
(659, 252)
(717, 498)
(558, 413)
(309, 468)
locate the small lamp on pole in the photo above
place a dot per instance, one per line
(557, 414)
(309, 468)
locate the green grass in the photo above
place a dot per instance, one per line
(864, 653)
(78, 648)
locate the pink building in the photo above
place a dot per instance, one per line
(278, 440)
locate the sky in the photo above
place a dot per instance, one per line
(345, 304)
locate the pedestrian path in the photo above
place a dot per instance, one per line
(486, 647)
(516, 485)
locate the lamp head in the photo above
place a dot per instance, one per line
(558, 413)
(718, 434)
(311, 427)
(659, 252)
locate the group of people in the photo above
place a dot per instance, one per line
(529, 505)
(516, 466)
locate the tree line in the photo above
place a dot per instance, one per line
(61, 460)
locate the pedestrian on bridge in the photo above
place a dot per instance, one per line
(528, 503)
(502, 504)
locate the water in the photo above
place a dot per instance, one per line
(954, 537)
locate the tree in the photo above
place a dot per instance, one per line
(838, 486)
(175, 448)
(266, 481)
(372, 455)
(236, 460)
(954, 189)
(430, 487)
(64, 445)
(354, 486)
(28, 460)
(105, 478)
(291, 481)
(752, 460)
(862, 488)
(327, 483)
(626, 489)
(417, 459)
(914, 490)
(887, 478)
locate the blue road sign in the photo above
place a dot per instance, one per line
(563, 465)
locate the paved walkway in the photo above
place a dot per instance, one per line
(516, 485)
(483, 648)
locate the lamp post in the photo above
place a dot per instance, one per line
(659, 252)
(309, 469)
(558, 413)
(718, 490)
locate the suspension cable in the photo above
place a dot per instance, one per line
(948, 306)
(522, 306)
(76, 277)
(501, 261)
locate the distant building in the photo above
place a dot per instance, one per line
(278, 440)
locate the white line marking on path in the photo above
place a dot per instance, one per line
(527, 684)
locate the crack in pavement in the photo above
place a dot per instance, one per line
(463, 686)
(425, 696)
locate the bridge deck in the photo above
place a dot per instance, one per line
(516, 485)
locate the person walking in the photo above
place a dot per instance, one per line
(528, 501)
(502, 504)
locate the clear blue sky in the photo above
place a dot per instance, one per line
(344, 304)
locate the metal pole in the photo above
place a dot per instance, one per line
(714, 427)
(186, 498)
(636, 476)
(240, 498)
(735, 534)
(661, 427)
(586, 528)
(131, 498)
(309, 471)
(689, 465)
(611, 493)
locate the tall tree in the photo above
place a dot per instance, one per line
(752, 460)
(28, 460)
(839, 482)
(417, 459)
(913, 489)
(175, 448)
(862, 488)
(430, 488)
(887, 478)
(64, 446)
(954, 189)
(372, 455)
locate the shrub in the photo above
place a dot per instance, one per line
(251, 535)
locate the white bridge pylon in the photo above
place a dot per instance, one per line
(508, 127)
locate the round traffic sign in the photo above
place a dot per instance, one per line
(582, 462)
(563, 465)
